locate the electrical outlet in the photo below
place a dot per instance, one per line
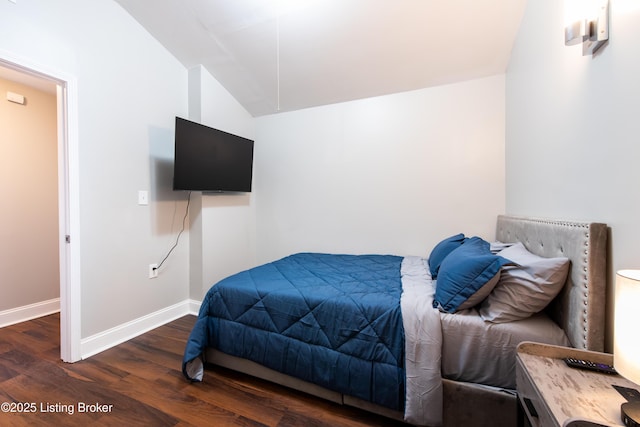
(153, 271)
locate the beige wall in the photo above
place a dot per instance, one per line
(29, 267)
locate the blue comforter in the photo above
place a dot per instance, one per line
(333, 320)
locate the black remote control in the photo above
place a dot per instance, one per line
(592, 366)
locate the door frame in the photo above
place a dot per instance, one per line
(68, 200)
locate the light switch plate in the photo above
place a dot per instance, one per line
(143, 197)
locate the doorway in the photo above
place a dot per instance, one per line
(68, 205)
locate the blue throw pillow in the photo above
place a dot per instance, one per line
(464, 272)
(441, 250)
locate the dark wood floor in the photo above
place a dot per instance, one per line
(142, 381)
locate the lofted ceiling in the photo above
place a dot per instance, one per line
(284, 55)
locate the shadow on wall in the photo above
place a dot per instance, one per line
(164, 220)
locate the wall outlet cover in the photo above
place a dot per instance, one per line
(153, 271)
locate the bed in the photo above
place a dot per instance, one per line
(399, 336)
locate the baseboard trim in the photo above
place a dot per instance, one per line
(194, 307)
(117, 335)
(29, 312)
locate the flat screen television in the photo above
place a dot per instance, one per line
(211, 160)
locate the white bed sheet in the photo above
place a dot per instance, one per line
(477, 351)
(423, 345)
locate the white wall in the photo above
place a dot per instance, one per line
(29, 272)
(224, 225)
(129, 91)
(572, 122)
(392, 174)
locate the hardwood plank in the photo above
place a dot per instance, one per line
(127, 357)
(142, 380)
(183, 405)
(97, 371)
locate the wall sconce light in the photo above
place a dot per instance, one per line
(626, 342)
(586, 22)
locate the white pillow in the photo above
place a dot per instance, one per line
(496, 246)
(525, 289)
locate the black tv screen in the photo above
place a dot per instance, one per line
(211, 160)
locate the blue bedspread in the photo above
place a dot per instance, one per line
(333, 320)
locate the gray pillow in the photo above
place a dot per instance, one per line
(481, 293)
(524, 289)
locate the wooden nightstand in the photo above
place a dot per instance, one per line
(552, 394)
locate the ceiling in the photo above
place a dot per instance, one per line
(284, 55)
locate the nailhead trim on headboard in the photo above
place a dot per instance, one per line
(580, 307)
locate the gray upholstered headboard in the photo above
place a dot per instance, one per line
(580, 307)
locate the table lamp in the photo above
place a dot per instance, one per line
(626, 343)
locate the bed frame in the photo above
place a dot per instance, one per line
(579, 310)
